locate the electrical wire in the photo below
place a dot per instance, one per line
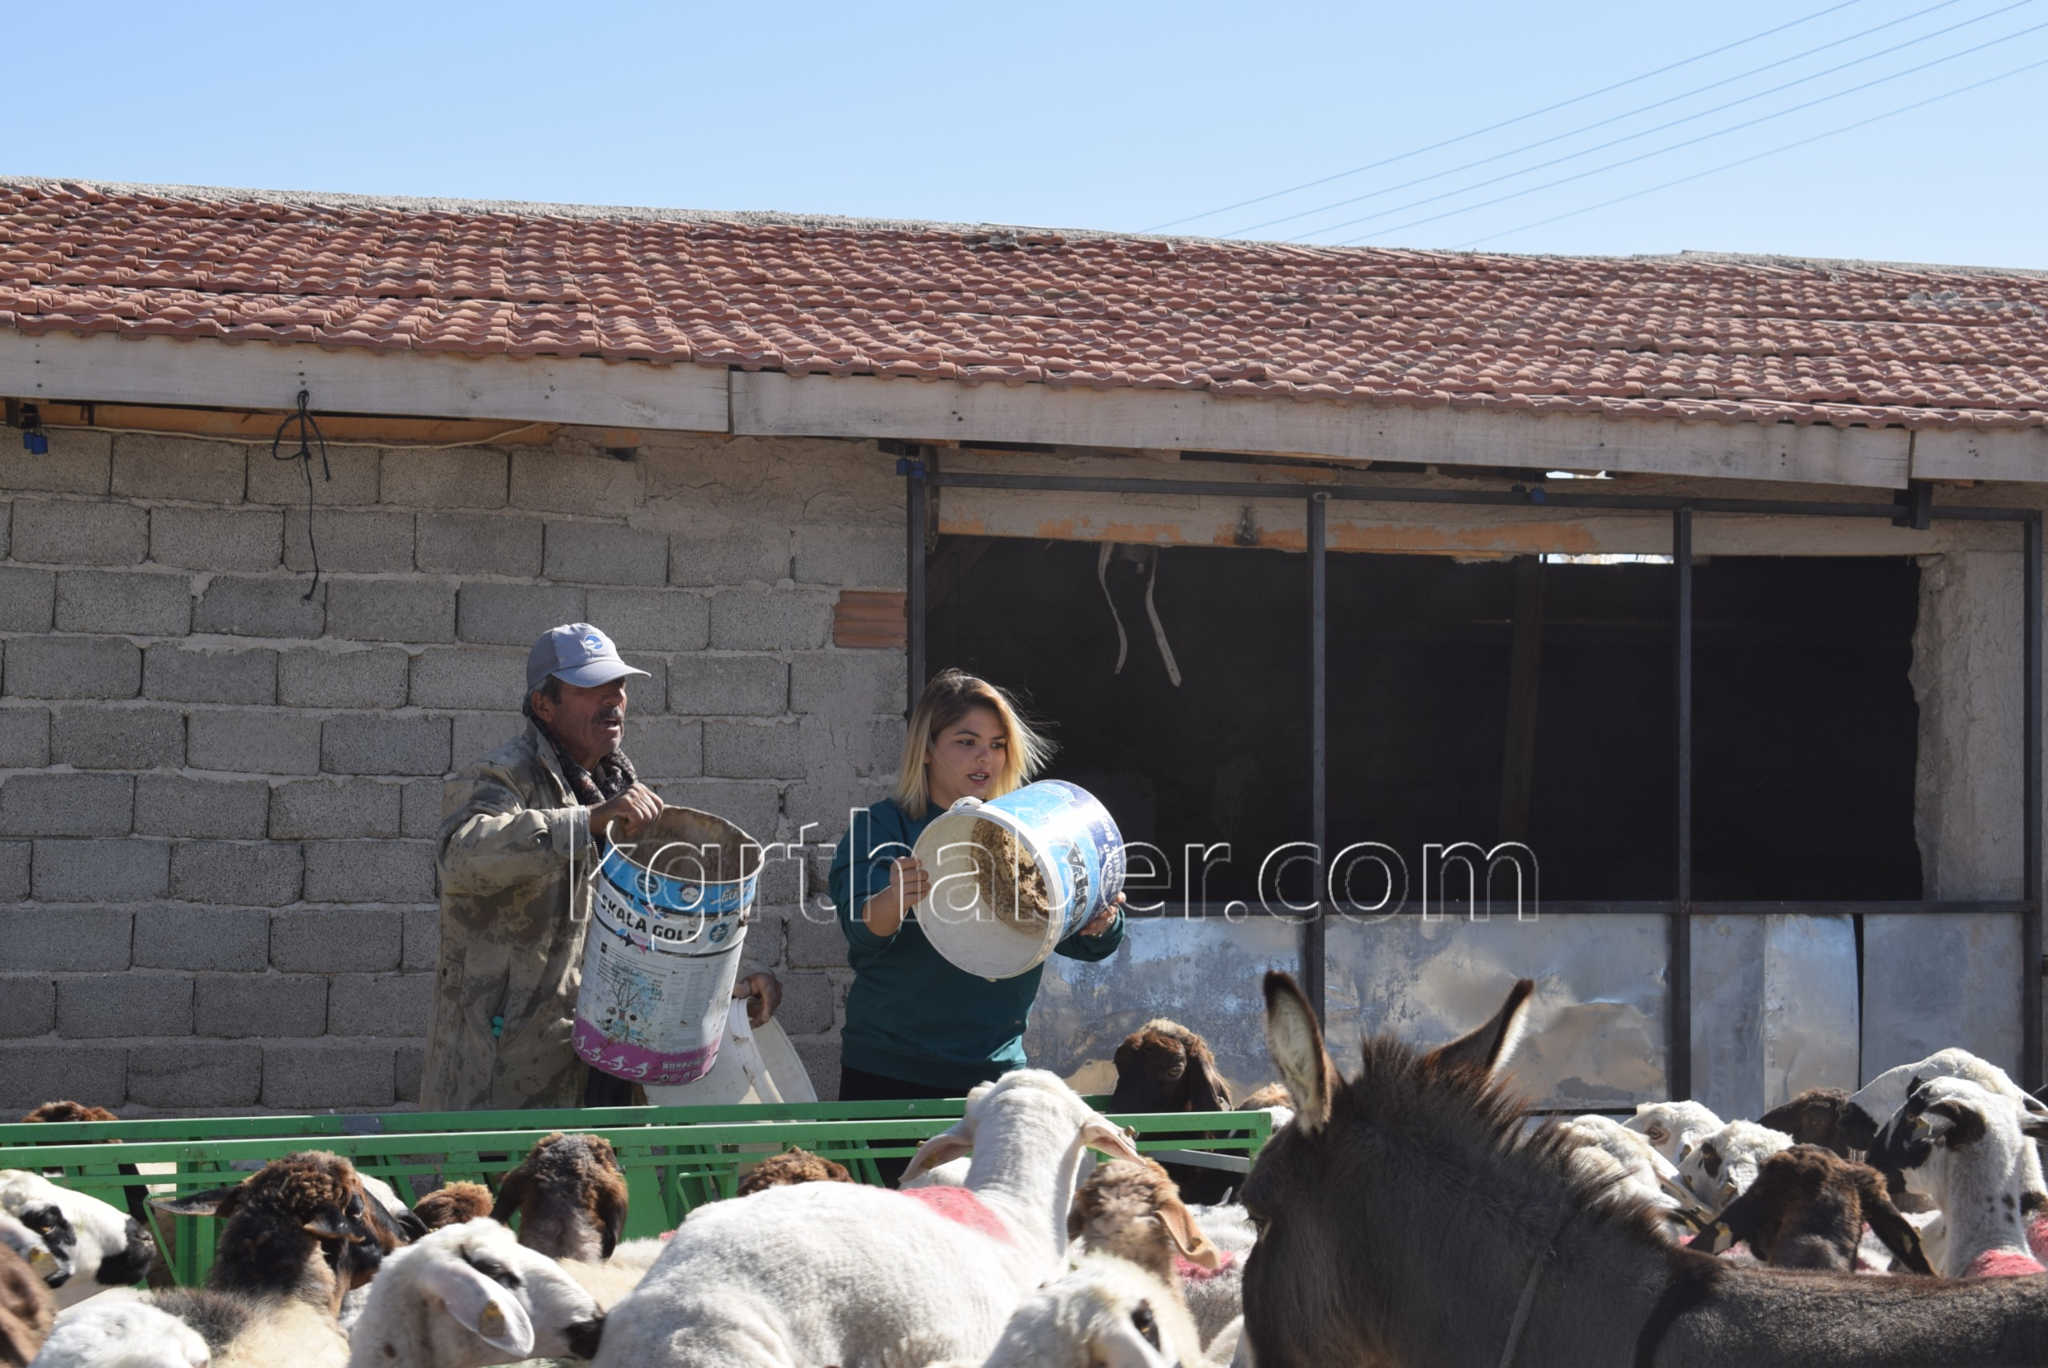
(1686, 142)
(1507, 123)
(1759, 156)
(1644, 109)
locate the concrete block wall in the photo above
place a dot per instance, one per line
(220, 782)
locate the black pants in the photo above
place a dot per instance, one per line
(605, 1090)
(858, 1085)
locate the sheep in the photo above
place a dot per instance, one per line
(1964, 1144)
(453, 1204)
(1671, 1126)
(1633, 1169)
(1131, 1209)
(1106, 1313)
(845, 1273)
(106, 1246)
(795, 1166)
(570, 1195)
(1718, 1168)
(51, 1267)
(135, 1194)
(1272, 1099)
(26, 1310)
(470, 1294)
(1814, 1117)
(1165, 1067)
(1807, 1209)
(121, 1330)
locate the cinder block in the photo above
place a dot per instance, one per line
(172, 936)
(192, 674)
(256, 874)
(305, 1075)
(76, 463)
(754, 807)
(32, 1074)
(265, 1005)
(14, 867)
(847, 684)
(147, 467)
(244, 606)
(850, 557)
(419, 808)
(810, 1004)
(349, 539)
(753, 750)
(79, 532)
(422, 937)
(24, 738)
(727, 556)
(351, 677)
(468, 676)
(348, 476)
(885, 747)
(467, 477)
(67, 804)
(391, 610)
(384, 872)
(728, 685)
(380, 1004)
(134, 1004)
(548, 479)
(382, 743)
(819, 810)
(133, 601)
(28, 1005)
(195, 1073)
(73, 667)
(605, 553)
(216, 538)
(665, 747)
(820, 1057)
(118, 737)
(335, 940)
(764, 944)
(815, 940)
(516, 614)
(183, 805)
(770, 619)
(479, 544)
(333, 809)
(652, 619)
(410, 1062)
(77, 939)
(28, 598)
(478, 734)
(254, 741)
(101, 871)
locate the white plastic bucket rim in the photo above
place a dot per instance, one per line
(966, 934)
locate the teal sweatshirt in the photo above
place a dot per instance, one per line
(912, 1015)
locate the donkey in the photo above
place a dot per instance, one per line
(1407, 1218)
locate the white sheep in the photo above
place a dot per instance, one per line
(109, 1248)
(841, 1273)
(1965, 1144)
(1106, 1313)
(1718, 1168)
(468, 1295)
(1630, 1163)
(121, 1330)
(35, 1251)
(1671, 1126)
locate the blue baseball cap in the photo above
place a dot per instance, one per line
(575, 653)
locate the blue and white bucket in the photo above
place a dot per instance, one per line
(1066, 832)
(668, 918)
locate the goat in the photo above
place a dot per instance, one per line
(122, 1330)
(1966, 1144)
(26, 1310)
(1165, 1067)
(1718, 1168)
(794, 1166)
(570, 1195)
(844, 1273)
(452, 1205)
(1807, 1209)
(106, 1246)
(1673, 1126)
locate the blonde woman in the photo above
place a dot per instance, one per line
(915, 1025)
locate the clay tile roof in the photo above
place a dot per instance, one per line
(1695, 337)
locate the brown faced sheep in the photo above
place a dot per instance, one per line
(1807, 1209)
(1131, 1208)
(1165, 1067)
(452, 1205)
(570, 1195)
(1813, 1118)
(26, 1310)
(796, 1166)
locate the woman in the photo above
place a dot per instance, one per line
(916, 1026)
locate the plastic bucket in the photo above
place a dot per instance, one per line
(668, 918)
(1069, 836)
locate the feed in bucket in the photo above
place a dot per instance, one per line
(999, 903)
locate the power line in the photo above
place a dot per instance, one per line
(1688, 142)
(1658, 128)
(1626, 114)
(1505, 123)
(1759, 156)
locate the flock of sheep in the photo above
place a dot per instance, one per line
(1007, 1244)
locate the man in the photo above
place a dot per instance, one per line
(521, 832)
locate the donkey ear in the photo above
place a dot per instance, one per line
(480, 1306)
(1296, 1043)
(1207, 1090)
(1489, 1047)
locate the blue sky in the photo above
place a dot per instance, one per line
(1074, 115)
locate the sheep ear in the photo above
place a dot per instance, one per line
(611, 1209)
(1900, 1235)
(1187, 1236)
(1098, 1132)
(1207, 1091)
(207, 1203)
(1296, 1043)
(1489, 1047)
(2034, 1127)
(328, 1224)
(511, 1196)
(481, 1307)
(941, 1148)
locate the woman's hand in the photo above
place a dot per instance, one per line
(1100, 922)
(908, 884)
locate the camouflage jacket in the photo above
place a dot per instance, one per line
(515, 862)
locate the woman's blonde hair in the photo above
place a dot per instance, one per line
(950, 696)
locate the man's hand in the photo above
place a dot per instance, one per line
(763, 993)
(1099, 923)
(624, 817)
